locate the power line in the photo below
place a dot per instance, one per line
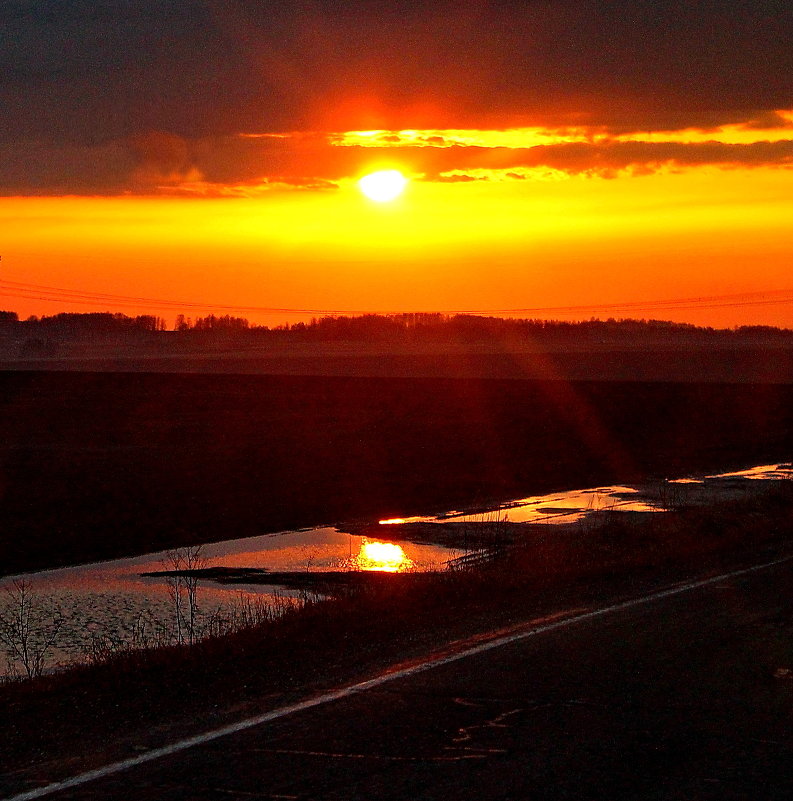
(30, 291)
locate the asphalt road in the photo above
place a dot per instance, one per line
(686, 697)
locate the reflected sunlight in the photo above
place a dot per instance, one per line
(384, 556)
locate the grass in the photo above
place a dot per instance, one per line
(135, 699)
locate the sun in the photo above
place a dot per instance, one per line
(383, 185)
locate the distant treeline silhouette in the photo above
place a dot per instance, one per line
(405, 327)
(77, 323)
(475, 328)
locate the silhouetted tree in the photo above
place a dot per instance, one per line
(28, 631)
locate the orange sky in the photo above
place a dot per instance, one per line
(497, 219)
(203, 157)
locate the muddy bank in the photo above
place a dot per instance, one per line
(317, 580)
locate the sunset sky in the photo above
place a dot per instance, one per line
(566, 159)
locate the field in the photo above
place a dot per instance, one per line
(94, 465)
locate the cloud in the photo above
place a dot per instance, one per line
(163, 159)
(769, 120)
(635, 158)
(85, 73)
(645, 157)
(35, 168)
(459, 177)
(164, 163)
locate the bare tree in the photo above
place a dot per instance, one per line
(28, 632)
(184, 564)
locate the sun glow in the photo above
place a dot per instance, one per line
(383, 185)
(458, 244)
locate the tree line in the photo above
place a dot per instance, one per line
(407, 327)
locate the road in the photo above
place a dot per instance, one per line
(688, 696)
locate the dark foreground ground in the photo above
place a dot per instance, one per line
(94, 465)
(659, 703)
(640, 354)
(687, 697)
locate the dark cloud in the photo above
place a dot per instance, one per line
(87, 71)
(162, 162)
(768, 120)
(607, 159)
(33, 168)
(161, 159)
(460, 178)
(86, 82)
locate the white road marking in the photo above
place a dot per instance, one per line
(346, 692)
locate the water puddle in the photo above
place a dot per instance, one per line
(555, 508)
(111, 602)
(763, 472)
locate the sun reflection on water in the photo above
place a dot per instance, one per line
(387, 557)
